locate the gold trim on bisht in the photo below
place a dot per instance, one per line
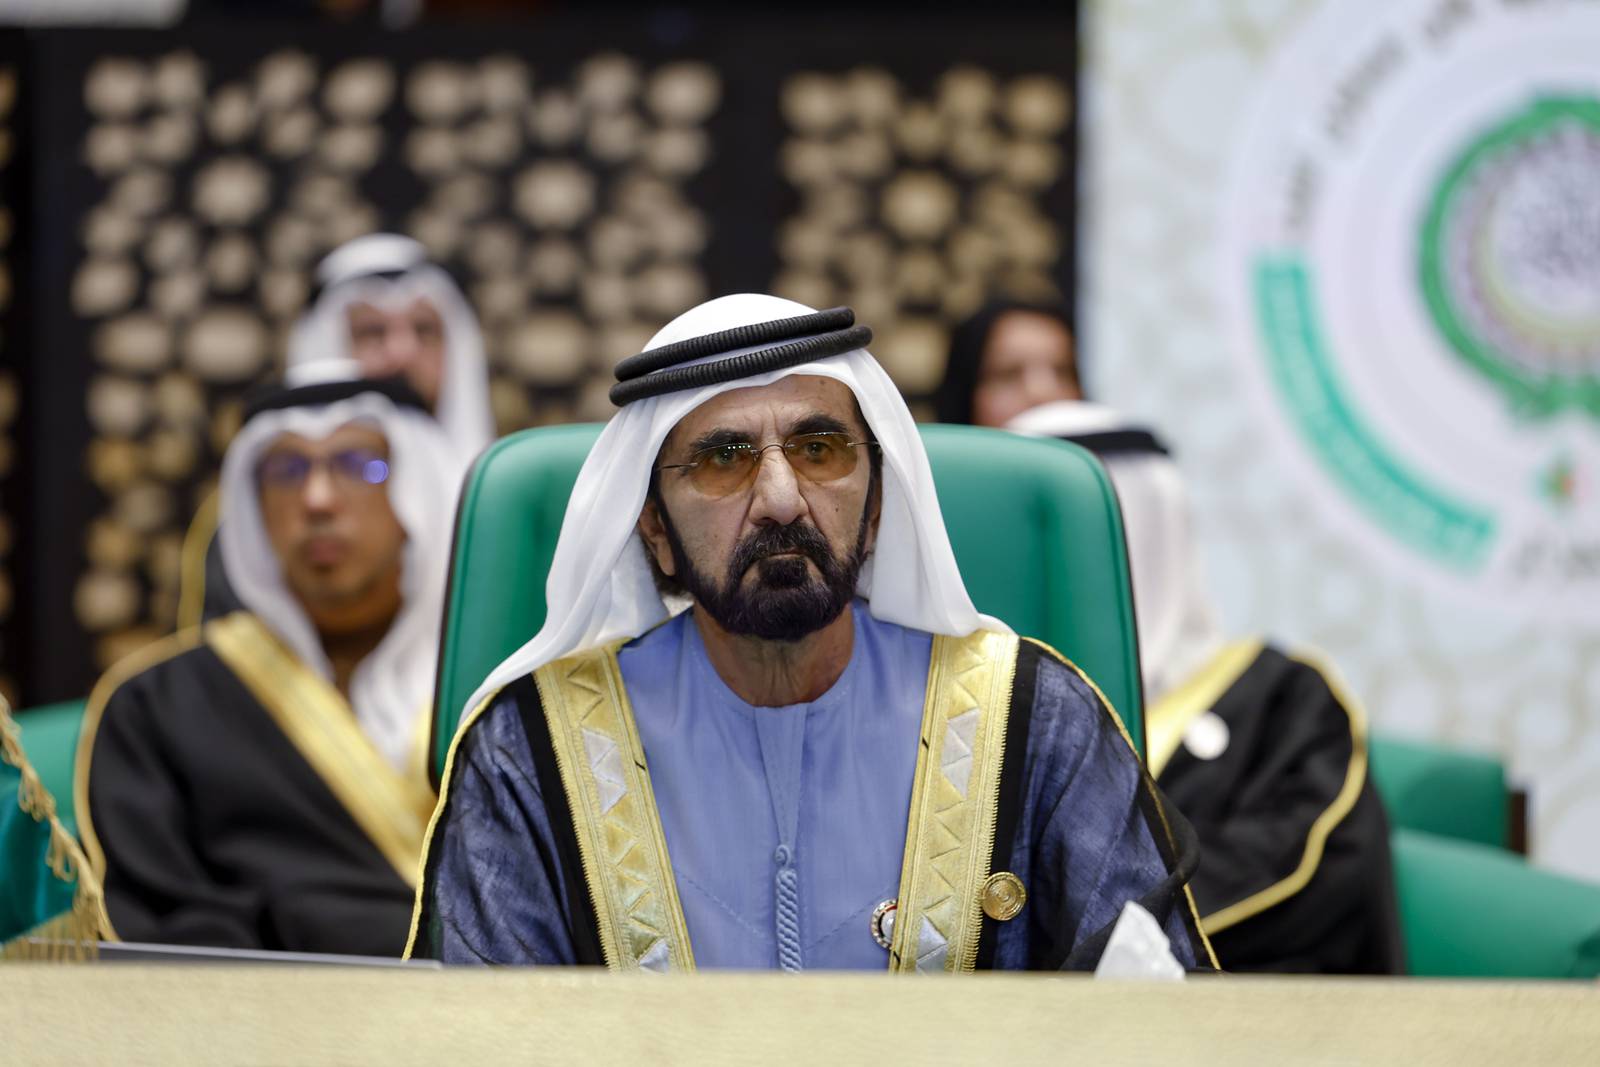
(192, 569)
(614, 815)
(954, 803)
(419, 878)
(1166, 721)
(74, 934)
(1355, 777)
(123, 670)
(950, 827)
(390, 808)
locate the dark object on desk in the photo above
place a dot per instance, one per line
(135, 952)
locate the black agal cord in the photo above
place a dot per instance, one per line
(803, 339)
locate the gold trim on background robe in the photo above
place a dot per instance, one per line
(1355, 776)
(391, 808)
(192, 570)
(135, 663)
(1168, 719)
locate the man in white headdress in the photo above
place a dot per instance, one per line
(380, 302)
(831, 760)
(1263, 751)
(259, 782)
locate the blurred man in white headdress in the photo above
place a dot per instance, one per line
(380, 302)
(831, 759)
(259, 782)
(1262, 750)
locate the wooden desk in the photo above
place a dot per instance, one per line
(167, 1014)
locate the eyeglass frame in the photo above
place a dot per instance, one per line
(328, 462)
(758, 451)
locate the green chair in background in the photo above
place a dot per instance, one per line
(1034, 523)
(1453, 794)
(1469, 908)
(1471, 911)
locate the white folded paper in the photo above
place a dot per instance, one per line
(1138, 950)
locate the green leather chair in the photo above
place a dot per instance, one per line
(1034, 523)
(1441, 791)
(50, 738)
(1471, 911)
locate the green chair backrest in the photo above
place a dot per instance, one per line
(50, 738)
(1034, 523)
(1441, 791)
(1470, 911)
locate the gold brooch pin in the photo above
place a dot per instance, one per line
(1003, 896)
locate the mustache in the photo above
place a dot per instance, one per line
(771, 540)
(321, 526)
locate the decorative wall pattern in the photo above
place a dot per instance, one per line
(916, 205)
(219, 194)
(563, 201)
(557, 202)
(583, 180)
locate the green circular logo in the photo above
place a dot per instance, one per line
(1510, 257)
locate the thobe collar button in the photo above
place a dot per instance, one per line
(882, 924)
(782, 856)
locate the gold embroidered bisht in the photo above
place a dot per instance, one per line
(1029, 823)
(1266, 755)
(227, 797)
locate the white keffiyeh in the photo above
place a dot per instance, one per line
(1178, 630)
(355, 273)
(600, 586)
(394, 684)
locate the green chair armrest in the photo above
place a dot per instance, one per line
(1468, 910)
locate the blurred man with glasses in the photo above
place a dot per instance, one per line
(380, 303)
(258, 782)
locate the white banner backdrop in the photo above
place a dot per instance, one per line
(1345, 256)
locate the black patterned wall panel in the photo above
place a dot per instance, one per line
(916, 203)
(585, 182)
(211, 179)
(563, 194)
(922, 178)
(216, 189)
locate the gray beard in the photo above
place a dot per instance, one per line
(785, 603)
